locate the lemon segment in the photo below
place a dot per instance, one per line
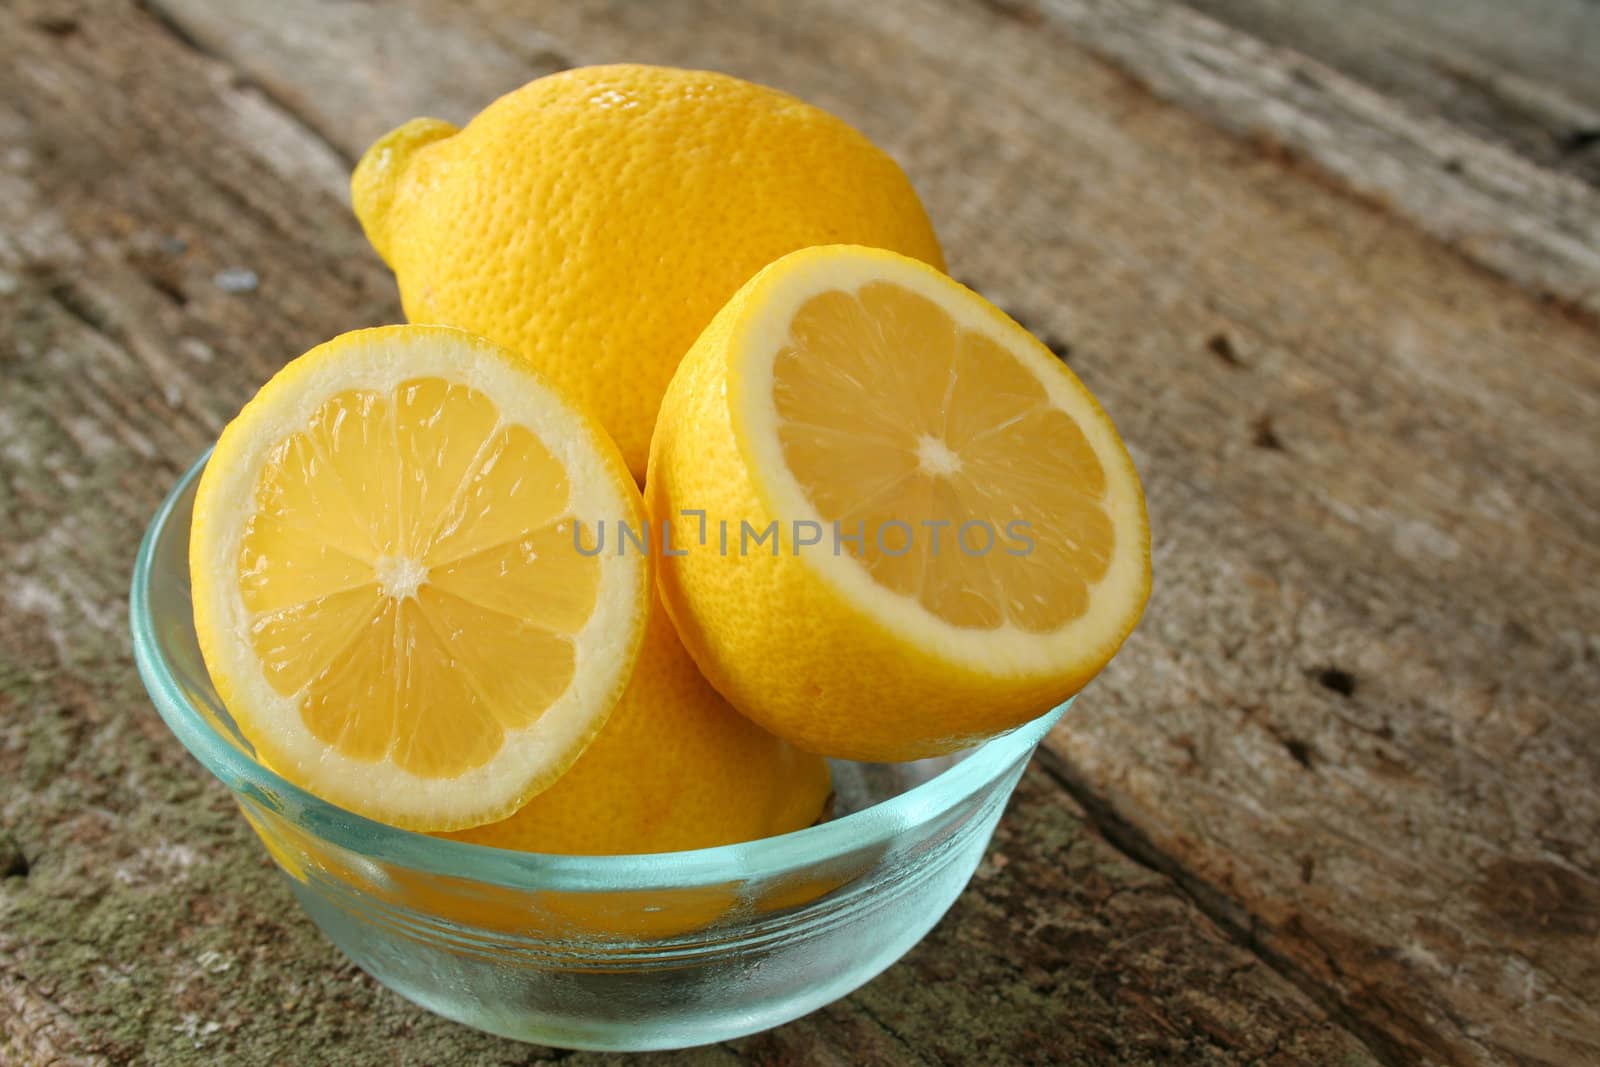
(387, 590)
(961, 534)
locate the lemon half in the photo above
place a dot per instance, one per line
(387, 590)
(902, 524)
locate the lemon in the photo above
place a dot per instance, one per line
(900, 524)
(612, 914)
(387, 591)
(595, 220)
(675, 767)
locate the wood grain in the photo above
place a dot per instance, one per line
(1524, 75)
(1537, 227)
(1350, 758)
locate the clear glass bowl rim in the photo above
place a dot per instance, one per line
(871, 827)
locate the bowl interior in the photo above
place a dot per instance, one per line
(876, 802)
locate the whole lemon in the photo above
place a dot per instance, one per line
(596, 219)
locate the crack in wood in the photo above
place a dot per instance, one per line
(860, 1004)
(1338, 680)
(1263, 434)
(13, 861)
(1220, 346)
(70, 298)
(1230, 916)
(1580, 140)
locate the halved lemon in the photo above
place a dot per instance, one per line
(388, 590)
(899, 523)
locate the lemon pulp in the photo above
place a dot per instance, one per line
(972, 492)
(404, 548)
(961, 538)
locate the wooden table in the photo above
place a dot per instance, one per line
(1334, 269)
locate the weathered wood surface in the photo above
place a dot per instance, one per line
(1334, 804)
(1538, 227)
(1524, 74)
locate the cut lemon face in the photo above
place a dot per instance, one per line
(388, 591)
(958, 539)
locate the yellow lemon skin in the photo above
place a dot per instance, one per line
(674, 768)
(612, 915)
(772, 633)
(595, 220)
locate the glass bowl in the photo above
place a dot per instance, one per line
(595, 952)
